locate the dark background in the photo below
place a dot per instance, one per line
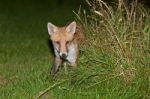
(57, 11)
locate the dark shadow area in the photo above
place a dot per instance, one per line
(51, 49)
(56, 11)
(50, 45)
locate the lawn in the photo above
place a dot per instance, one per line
(26, 59)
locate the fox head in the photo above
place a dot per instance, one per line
(62, 37)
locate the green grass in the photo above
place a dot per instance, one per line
(103, 71)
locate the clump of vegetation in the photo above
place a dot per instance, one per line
(118, 44)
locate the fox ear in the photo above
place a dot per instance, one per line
(51, 28)
(71, 28)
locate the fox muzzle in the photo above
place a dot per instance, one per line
(63, 55)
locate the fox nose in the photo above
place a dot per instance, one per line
(63, 55)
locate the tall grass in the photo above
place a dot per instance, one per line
(118, 39)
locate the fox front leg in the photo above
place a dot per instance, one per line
(56, 66)
(73, 73)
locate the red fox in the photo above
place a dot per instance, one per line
(65, 41)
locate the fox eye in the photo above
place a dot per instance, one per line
(67, 42)
(57, 42)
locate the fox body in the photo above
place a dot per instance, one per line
(65, 41)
